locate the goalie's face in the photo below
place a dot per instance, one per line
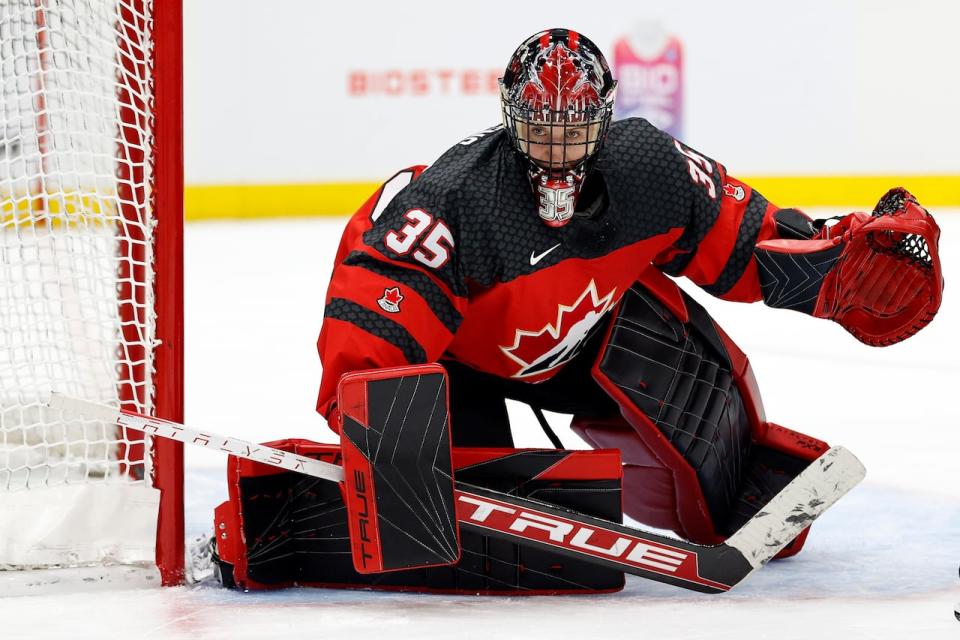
(556, 96)
(557, 147)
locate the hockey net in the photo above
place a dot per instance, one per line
(90, 281)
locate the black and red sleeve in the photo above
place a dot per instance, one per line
(727, 218)
(396, 296)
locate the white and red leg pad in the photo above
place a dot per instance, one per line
(699, 456)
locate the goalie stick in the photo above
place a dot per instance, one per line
(705, 568)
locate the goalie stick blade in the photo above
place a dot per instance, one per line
(813, 491)
(398, 471)
(708, 569)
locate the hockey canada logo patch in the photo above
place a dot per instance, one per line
(390, 302)
(734, 191)
(556, 343)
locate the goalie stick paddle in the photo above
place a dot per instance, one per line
(704, 568)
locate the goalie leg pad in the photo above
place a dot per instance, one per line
(700, 457)
(282, 529)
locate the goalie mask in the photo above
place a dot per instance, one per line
(557, 98)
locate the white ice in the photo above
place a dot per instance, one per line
(881, 564)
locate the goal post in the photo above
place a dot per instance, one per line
(91, 281)
(169, 374)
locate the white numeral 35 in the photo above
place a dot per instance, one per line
(434, 250)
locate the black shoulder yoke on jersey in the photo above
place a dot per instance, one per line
(479, 188)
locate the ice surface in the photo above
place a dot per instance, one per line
(881, 564)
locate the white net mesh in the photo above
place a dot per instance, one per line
(76, 309)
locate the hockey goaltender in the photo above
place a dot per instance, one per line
(531, 262)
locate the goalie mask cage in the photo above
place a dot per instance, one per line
(91, 213)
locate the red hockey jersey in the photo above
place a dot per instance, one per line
(452, 261)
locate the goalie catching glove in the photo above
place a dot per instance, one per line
(876, 275)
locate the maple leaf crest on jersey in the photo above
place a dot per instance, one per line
(556, 343)
(734, 191)
(390, 302)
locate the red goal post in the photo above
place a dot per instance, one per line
(91, 281)
(168, 167)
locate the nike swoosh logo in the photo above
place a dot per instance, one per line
(534, 258)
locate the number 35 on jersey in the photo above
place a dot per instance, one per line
(431, 241)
